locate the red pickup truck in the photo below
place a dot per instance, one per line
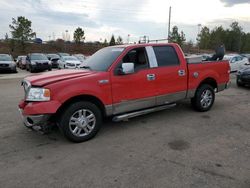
(121, 82)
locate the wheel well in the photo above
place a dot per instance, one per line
(210, 81)
(87, 98)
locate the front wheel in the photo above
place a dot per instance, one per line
(80, 121)
(204, 98)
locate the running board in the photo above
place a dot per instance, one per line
(125, 117)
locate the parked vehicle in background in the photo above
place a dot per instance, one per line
(54, 59)
(61, 54)
(37, 62)
(80, 57)
(21, 62)
(237, 62)
(243, 77)
(122, 82)
(247, 56)
(68, 62)
(7, 63)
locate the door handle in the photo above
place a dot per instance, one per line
(181, 72)
(150, 77)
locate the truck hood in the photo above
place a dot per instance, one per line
(56, 76)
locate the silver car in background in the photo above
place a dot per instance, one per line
(80, 57)
(7, 63)
(236, 61)
(68, 62)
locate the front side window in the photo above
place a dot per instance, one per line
(166, 56)
(137, 56)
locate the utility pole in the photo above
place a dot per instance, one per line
(169, 23)
(198, 37)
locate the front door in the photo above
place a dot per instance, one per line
(137, 90)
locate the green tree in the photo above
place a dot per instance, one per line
(245, 47)
(119, 40)
(21, 30)
(112, 41)
(204, 38)
(235, 34)
(79, 35)
(218, 36)
(177, 37)
(105, 43)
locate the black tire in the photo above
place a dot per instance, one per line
(14, 71)
(50, 69)
(239, 84)
(32, 70)
(196, 101)
(68, 113)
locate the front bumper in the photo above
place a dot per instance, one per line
(7, 68)
(41, 66)
(34, 121)
(244, 79)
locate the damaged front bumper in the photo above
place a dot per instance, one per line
(36, 122)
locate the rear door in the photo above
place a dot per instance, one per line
(137, 90)
(171, 75)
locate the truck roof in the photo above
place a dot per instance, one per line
(143, 45)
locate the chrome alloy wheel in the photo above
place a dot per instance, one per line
(82, 122)
(206, 98)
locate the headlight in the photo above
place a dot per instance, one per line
(33, 62)
(12, 64)
(38, 94)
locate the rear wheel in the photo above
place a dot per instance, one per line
(80, 121)
(204, 98)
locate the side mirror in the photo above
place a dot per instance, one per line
(127, 68)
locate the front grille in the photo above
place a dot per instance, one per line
(70, 64)
(246, 76)
(4, 65)
(41, 64)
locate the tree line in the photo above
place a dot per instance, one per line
(234, 38)
(22, 33)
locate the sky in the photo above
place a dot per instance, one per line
(52, 19)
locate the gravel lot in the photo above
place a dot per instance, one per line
(172, 148)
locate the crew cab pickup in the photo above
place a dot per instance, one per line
(120, 82)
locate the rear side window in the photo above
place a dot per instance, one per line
(166, 56)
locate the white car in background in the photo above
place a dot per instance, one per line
(80, 57)
(237, 62)
(68, 62)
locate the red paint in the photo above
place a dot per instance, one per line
(66, 84)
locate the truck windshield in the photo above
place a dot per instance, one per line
(102, 59)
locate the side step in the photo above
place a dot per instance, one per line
(125, 117)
